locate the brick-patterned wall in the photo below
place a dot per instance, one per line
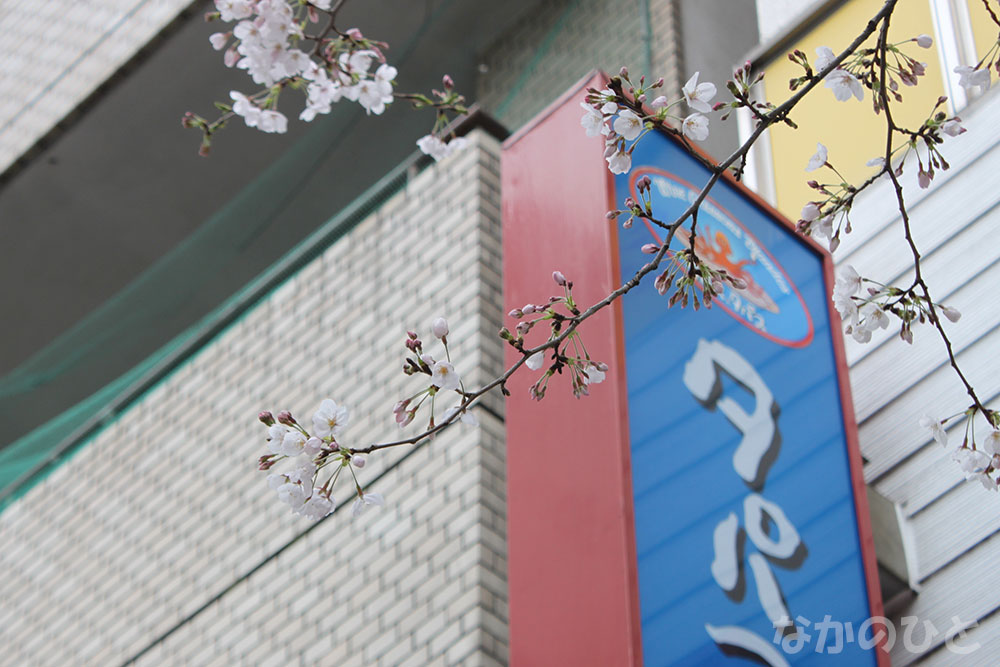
(561, 40)
(158, 539)
(56, 53)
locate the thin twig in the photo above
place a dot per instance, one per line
(918, 279)
(776, 115)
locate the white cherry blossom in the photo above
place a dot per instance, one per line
(365, 500)
(824, 56)
(234, 10)
(444, 377)
(818, 158)
(330, 419)
(317, 507)
(593, 374)
(991, 445)
(466, 416)
(535, 361)
(697, 95)
(844, 84)
(593, 121)
(294, 495)
(936, 429)
(628, 125)
(695, 126)
(430, 144)
(619, 162)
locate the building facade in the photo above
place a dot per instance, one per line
(134, 527)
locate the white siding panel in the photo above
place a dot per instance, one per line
(950, 526)
(929, 473)
(877, 207)
(961, 247)
(886, 373)
(964, 589)
(955, 524)
(983, 639)
(892, 434)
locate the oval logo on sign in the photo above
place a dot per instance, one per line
(771, 304)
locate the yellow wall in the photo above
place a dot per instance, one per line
(984, 30)
(851, 132)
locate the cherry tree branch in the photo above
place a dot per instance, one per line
(918, 279)
(717, 170)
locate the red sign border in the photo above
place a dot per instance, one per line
(552, 619)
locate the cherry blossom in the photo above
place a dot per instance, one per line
(234, 10)
(465, 416)
(444, 377)
(317, 507)
(431, 145)
(620, 162)
(330, 419)
(991, 445)
(696, 127)
(824, 56)
(593, 121)
(697, 95)
(936, 428)
(818, 158)
(844, 85)
(535, 361)
(628, 125)
(364, 500)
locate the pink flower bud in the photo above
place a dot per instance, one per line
(924, 41)
(266, 417)
(659, 102)
(448, 82)
(285, 417)
(440, 327)
(624, 72)
(559, 278)
(358, 461)
(355, 34)
(650, 248)
(517, 312)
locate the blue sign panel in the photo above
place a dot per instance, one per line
(745, 520)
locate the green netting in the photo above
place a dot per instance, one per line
(62, 396)
(27, 460)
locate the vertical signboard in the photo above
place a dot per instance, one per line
(705, 504)
(745, 487)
